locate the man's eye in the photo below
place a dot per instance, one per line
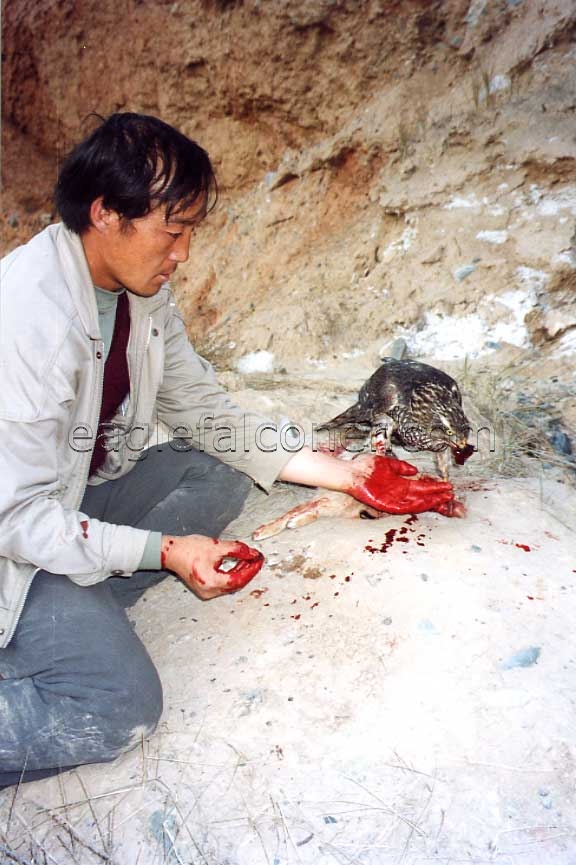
(175, 234)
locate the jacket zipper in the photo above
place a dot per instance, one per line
(140, 356)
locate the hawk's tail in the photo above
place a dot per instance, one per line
(352, 416)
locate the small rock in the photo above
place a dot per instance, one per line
(561, 442)
(523, 658)
(435, 256)
(461, 273)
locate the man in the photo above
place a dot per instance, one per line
(93, 351)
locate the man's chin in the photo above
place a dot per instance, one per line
(149, 290)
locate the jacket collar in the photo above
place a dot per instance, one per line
(79, 280)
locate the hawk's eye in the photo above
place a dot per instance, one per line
(449, 431)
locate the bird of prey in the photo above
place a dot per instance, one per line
(411, 404)
(405, 402)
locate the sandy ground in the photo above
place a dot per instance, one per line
(385, 692)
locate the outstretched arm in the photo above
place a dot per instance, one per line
(383, 483)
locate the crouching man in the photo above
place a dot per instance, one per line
(93, 350)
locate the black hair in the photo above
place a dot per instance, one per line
(135, 162)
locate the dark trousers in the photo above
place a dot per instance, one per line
(76, 684)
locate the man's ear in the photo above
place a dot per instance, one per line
(101, 218)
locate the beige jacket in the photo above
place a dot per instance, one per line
(51, 371)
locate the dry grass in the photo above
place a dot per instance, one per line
(518, 430)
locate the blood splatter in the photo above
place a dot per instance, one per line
(257, 593)
(84, 525)
(296, 617)
(389, 538)
(314, 605)
(524, 547)
(347, 579)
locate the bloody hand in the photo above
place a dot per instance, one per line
(388, 484)
(199, 562)
(248, 563)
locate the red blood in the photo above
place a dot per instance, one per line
(413, 518)
(257, 593)
(530, 597)
(336, 594)
(163, 557)
(347, 579)
(389, 539)
(392, 487)
(215, 541)
(452, 508)
(170, 542)
(462, 454)
(194, 575)
(524, 547)
(296, 617)
(249, 563)
(333, 576)
(314, 605)
(84, 524)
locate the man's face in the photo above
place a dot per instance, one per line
(142, 254)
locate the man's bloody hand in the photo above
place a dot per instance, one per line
(389, 485)
(201, 563)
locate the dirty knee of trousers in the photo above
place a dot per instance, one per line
(129, 714)
(77, 681)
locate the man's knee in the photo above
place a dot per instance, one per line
(128, 714)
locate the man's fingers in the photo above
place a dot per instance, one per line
(426, 485)
(243, 572)
(418, 504)
(400, 467)
(248, 563)
(236, 550)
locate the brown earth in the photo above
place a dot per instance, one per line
(384, 168)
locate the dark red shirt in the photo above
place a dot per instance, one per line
(116, 378)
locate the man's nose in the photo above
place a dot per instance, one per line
(181, 249)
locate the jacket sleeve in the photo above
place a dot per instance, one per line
(34, 525)
(193, 405)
